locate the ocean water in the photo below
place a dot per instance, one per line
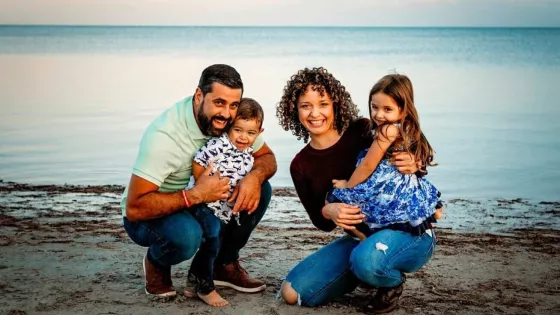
(74, 101)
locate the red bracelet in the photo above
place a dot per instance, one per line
(186, 199)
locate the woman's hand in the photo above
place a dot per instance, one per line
(405, 162)
(343, 215)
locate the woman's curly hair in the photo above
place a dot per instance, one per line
(345, 111)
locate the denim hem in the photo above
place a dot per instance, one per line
(308, 303)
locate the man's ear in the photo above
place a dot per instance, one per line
(198, 96)
(262, 130)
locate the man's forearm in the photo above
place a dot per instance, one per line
(264, 167)
(155, 205)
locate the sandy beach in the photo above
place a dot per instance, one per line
(64, 251)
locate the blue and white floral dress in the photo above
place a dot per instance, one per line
(388, 196)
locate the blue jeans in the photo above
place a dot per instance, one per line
(337, 268)
(176, 238)
(202, 266)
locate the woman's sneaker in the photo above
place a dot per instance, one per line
(385, 300)
(365, 288)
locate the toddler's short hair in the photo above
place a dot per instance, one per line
(250, 109)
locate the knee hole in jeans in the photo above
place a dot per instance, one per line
(289, 295)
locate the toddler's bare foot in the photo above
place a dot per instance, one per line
(190, 293)
(213, 299)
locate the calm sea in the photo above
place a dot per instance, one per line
(74, 101)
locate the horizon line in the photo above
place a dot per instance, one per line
(277, 26)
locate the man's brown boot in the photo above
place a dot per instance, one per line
(158, 280)
(235, 277)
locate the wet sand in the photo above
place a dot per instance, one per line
(64, 251)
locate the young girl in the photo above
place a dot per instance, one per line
(386, 196)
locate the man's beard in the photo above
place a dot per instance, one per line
(205, 123)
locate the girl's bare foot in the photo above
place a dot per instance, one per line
(439, 213)
(213, 299)
(359, 234)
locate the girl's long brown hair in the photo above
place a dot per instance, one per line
(399, 88)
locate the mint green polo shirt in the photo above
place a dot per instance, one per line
(167, 149)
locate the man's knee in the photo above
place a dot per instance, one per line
(289, 295)
(266, 190)
(186, 248)
(186, 239)
(266, 195)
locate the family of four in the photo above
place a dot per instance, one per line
(199, 187)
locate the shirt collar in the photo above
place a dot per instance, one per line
(192, 125)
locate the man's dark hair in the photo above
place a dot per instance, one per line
(219, 73)
(249, 109)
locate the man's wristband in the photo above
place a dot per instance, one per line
(186, 199)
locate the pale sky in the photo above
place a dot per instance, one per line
(284, 12)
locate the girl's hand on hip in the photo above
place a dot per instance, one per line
(343, 215)
(340, 183)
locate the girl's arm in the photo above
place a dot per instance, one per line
(382, 142)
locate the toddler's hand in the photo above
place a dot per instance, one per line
(340, 183)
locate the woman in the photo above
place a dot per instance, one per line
(317, 108)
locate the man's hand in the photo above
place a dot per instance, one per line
(405, 162)
(340, 183)
(209, 188)
(246, 194)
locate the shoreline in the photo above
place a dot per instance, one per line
(64, 251)
(495, 216)
(8, 186)
(281, 191)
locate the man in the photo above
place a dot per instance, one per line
(155, 200)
